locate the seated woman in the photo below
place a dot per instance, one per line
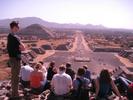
(43, 69)
(104, 84)
(36, 79)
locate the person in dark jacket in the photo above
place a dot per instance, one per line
(14, 47)
(87, 72)
(69, 71)
(81, 86)
(51, 71)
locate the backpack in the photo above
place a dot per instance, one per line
(82, 92)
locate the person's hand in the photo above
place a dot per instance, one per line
(122, 98)
(21, 47)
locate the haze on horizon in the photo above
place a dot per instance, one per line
(110, 13)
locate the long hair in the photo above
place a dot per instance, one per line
(105, 76)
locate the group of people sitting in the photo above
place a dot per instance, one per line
(64, 82)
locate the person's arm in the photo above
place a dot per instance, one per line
(52, 84)
(70, 83)
(31, 76)
(73, 74)
(20, 74)
(97, 87)
(115, 89)
(42, 78)
(22, 46)
(87, 83)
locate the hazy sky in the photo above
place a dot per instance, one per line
(110, 13)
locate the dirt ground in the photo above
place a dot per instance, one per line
(4, 69)
(125, 61)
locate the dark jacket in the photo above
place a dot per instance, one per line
(13, 43)
(70, 72)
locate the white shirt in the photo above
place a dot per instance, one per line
(61, 83)
(25, 72)
(44, 71)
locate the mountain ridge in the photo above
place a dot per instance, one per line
(26, 21)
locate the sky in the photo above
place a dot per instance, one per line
(110, 13)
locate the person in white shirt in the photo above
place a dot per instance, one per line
(25, 72)
(44, 71)
(61, 82)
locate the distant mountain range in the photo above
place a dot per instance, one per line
(26, 21)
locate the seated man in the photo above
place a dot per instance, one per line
(25, 72)
(51, 71)
(87, 72)
(69, 71)
(61, 82)
(81, 86)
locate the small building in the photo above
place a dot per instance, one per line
(47, 47)
(131, 58)
(105, 49)
(126, 53)
(38, 50)
(62, 47)
(28, 56)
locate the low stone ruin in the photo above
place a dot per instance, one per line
(38, 50)
(47, 47)
(82, 59)
(62, 47)
(28, 56)
(105, 49)
(131, 58)
(126, 53)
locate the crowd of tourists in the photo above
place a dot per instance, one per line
(62, 81)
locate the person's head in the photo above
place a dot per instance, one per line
(52, 64)
(85, 67)
(14, 26)
(68, 65)
(81, 72)
(38, 66)
(41, 62)
(24, 64)
(62, 68)
(105, 76)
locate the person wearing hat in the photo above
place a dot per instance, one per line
(87, 72)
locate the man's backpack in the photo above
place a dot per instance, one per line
(82, 92)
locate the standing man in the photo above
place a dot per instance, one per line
(14, 47)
